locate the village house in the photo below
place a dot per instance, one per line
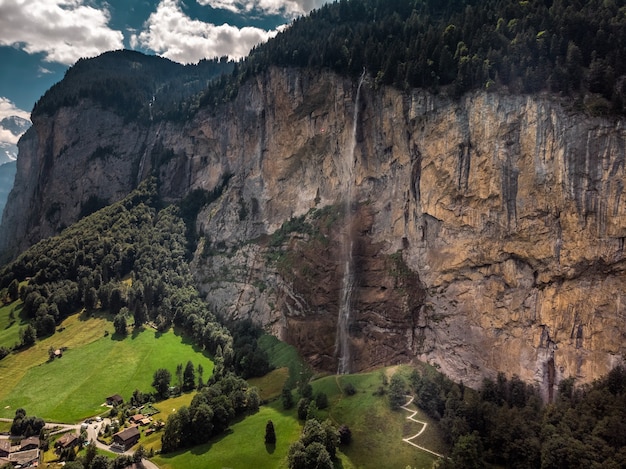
(126, 438)
(136, 418)
(29, 458)
(69, 440)
(5, 448)
(29, 443)
(25, 454)
(115, 399)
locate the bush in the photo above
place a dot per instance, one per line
(345, 435)
(349, 389)
(321, 400)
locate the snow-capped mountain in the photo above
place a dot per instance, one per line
(11, 129)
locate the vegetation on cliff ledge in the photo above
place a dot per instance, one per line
(525, 46)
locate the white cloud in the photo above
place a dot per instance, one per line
(172, 34)
(64, 30)
(7, 109)
(291, 8)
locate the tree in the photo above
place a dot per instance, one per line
(199, 373)
(189, 377)
(14, 290)
(119, 323)
(139, 454)
(349, 389)
(303, 407)
(270, 434)
(345, 435)
(90, 453)
(27, 336)
(397, 391)
(321, 400)
(179, 375)
(287, 398)
(161, 382)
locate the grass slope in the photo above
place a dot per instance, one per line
(377, 433)
(242, 446)
(10, 327)
(73, 387)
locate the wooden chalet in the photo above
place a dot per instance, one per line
(126, 438)
(69, 440)
(115, 399)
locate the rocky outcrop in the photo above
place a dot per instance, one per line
(488, 231)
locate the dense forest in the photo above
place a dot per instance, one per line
(566, 47)
(571, 48)
(130, 260)
(506, 423)
(134, 85)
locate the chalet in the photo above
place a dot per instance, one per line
(136, 418)
(29, 443)
(25, 454)
(5, 448)
(29, 458)
(126, 438)
(115, 399)
(69, 440)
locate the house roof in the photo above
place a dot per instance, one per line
(67, 439)
(31, 440)
(115, 398)
(5, 445)
(137, 417)
(127, 434)
(24, 457)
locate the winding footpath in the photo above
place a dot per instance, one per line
(413, 419)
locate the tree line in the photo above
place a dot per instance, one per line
(566, 47)
(506, 422)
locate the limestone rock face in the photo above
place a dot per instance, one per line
(487, 232)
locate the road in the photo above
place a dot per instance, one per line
(92, 435)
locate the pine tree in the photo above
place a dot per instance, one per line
(270, 434)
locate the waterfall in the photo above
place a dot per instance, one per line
(342, 345)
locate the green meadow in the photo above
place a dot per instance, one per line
(97, 364)
(11, 320)
(94, 366)
(377, 433)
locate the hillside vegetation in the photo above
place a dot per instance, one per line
(93, 366)
(565, 47)
(127, 259)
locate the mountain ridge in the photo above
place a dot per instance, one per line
(486, 225)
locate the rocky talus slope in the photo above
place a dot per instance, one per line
(488, 232)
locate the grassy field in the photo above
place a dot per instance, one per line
(73, 387)
(271, 385)
(242, 446)
(11, 320)
(377, 433)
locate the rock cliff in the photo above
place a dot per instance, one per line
(487, 233)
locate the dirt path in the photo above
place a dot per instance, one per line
(413, 419)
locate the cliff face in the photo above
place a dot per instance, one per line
(487, 234)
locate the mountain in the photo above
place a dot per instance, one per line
(361, 218)
(7, 176)
(11, 128)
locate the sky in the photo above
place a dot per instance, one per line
(40, 39)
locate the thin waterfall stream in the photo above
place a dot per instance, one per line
(342, 345)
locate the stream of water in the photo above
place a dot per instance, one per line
(342, 344)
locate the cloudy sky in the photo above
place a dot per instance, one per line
(40, 39)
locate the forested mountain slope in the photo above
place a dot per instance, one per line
(461, 164)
